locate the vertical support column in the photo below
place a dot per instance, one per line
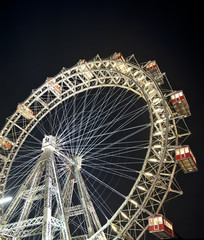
(24, 187)
(84, 203)
(46, 231)
(66, 232)
(67, 193)
(89, 212)
(91, 208)
(29, 200)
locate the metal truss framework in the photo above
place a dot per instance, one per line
(31, 191)
(147, 194)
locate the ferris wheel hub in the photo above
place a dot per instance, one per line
(78, 161)
(49, 142)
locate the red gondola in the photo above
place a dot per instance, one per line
(186, 159)
(118, 56)
(155, 72)
(5, 143)
(180, 103)
(160, 227)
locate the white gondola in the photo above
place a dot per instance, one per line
(25, 111)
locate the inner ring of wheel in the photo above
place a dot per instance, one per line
(107, 75)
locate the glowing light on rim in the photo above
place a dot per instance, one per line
(4, 200)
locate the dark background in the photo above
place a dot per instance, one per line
(37, 39)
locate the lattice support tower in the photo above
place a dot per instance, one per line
(45, 171)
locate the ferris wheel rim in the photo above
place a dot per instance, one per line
(127, 78)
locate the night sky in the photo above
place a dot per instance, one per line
(39, 38)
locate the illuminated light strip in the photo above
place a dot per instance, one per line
(156, 100)
(153, 160)
(142, 188)
(160, 120)
(157, 133)
(158, 110)
(4, 200)
(124, 215)
(135, 73)
(148, 174)
(114, 228)
(147, 84)
(133, 202)
(157, 146)
(140, 78)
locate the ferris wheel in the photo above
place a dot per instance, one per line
(93, 152)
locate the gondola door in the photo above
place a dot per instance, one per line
(156, 224)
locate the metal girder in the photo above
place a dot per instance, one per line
(29, 192)
(19, 195)
(13, 228)
(86, 207)
(74, 211)
(47, 211)
(62, 213)
(84, 204)
(91, 208)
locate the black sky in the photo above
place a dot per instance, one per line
(39, 38)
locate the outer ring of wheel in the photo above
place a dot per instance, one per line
(108, 73)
